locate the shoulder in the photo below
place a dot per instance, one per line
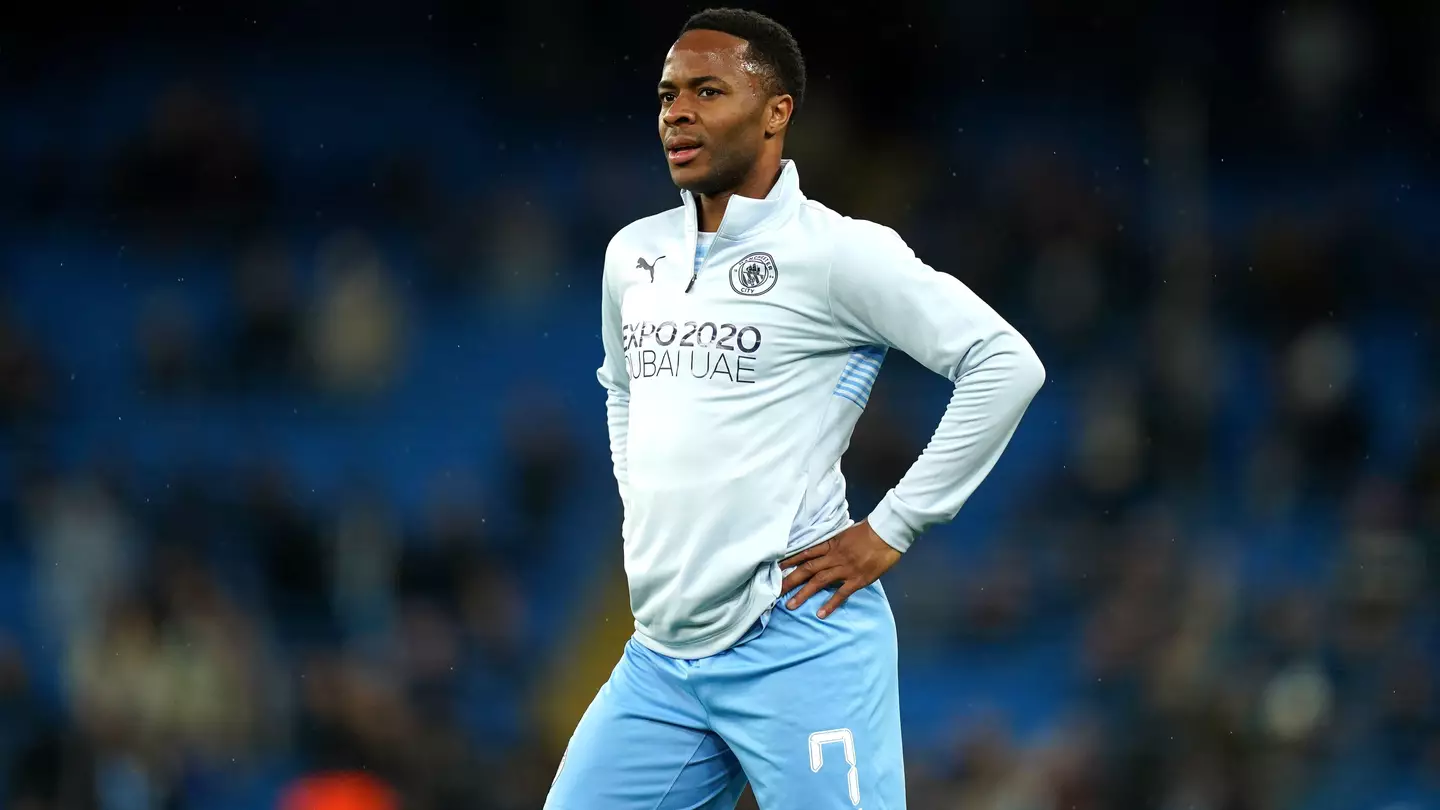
(644, 232)
(852, 241)
(634, 243)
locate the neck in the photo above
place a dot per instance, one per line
(756, 185)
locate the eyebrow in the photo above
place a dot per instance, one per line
(666, 84)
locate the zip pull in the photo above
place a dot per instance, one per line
(691, 285)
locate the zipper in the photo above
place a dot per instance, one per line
(692, 238)
(695, 273)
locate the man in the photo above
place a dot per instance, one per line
(742, 333)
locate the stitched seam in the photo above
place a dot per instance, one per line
(688, 762)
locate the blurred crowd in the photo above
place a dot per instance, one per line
(1206, 570)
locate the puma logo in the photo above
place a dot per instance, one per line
(641, 264)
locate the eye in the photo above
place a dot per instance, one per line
(666, 98)
(710, 91)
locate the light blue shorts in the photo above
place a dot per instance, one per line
(807, 710)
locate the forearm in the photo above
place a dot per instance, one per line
(989, 399)
(617, 418)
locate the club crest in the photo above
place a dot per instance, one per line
(754, 275)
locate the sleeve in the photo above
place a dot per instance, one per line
(616, 381)
(880, 293)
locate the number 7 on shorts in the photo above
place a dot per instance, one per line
(820, 739)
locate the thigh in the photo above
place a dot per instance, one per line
(811, 708)
(644, 744)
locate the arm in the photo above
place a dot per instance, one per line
(616, 380)
(881, 293)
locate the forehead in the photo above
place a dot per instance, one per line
(707, 53)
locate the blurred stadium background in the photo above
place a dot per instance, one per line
(304, 496)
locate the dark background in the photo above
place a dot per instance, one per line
(304, 492)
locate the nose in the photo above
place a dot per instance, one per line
(680, 112)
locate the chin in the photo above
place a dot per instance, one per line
(699, 181)
(691, 178)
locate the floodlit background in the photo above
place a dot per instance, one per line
(304, 495)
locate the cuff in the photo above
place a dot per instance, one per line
(887, 523)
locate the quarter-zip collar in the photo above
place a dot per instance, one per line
(745, 216)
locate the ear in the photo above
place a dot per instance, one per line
(777, 114)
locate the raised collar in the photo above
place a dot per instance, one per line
(745, 216)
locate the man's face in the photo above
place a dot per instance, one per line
(712, 112)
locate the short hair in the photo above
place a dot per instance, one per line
(769, 44)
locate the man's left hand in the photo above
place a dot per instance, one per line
(855, 557)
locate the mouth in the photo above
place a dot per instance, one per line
(681, 152)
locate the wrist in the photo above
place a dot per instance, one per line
(889, 526)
